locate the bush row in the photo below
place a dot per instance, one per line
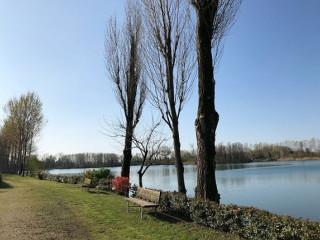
(73, 179)
(101, 178)
(248, 222)
(96, 175)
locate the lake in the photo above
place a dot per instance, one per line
(286, 188)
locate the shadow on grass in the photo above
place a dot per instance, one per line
(5, 185)
(98, 192)
(166, 217)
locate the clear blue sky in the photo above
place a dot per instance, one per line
(267, 85)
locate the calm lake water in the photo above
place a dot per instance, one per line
(286, 188)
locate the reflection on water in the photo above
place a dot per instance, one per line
(231, 166)
(287, 188)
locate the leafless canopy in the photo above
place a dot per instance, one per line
(150, 143)
(222, 22)
(170, 61)
(124, 63)
(125, 67)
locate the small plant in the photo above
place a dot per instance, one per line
(121, 185)
(133, 190)
(97, 175)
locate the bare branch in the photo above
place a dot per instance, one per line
(124, 64)
(170, 64)
(149, 142)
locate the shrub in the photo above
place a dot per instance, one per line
(42, 174)
(248, 222)
(34, 166)
(104, 184)
(121, 185)
(74, 179)
(97, 175)
(175, 203)
(133, 190)
(0, 180)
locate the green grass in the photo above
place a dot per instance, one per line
(91, 214)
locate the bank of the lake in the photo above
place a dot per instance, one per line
(299, 159)
(286, 188)
(35, 209)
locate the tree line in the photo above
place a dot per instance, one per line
(23, 122)
(240, 153)
(81, 160)
(225, 153)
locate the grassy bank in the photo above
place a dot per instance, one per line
(33, 209)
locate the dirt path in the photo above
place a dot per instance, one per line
(27, 213)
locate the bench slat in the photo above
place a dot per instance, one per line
(142, 203)
(145, 198)
(148, 194)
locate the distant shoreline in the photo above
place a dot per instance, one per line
(298, 159)
(190, 162)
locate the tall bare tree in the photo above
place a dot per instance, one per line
(170, 65)
(150, 143)
(124, 65)
(214, 19)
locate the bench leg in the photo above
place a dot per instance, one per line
(141, 212)
(127, 206)
(155, 211)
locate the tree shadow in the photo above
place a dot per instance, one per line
(98, 192)
(5, 185)
(166, 217)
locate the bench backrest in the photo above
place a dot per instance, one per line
(148, 194)
(87, 181)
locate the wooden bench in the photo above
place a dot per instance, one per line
(145, 198)
(87, 182)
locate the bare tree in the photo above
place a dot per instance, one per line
(170, 65)
(23, 123)
(214, 19)
(124, 65)
(150, 143)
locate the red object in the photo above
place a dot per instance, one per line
(120, 184)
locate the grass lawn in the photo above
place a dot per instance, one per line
(35, 209)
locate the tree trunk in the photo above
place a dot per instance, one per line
(175, 121)
(140, 179)
(178, 160)
(207, 117)
(127, 152)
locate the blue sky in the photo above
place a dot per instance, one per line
(267, 86)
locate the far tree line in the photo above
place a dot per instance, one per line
(225, 153)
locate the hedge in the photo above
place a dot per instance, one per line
(0, 179)
(248, 222)
(97, 175)
(100, 178)
(74, 179)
